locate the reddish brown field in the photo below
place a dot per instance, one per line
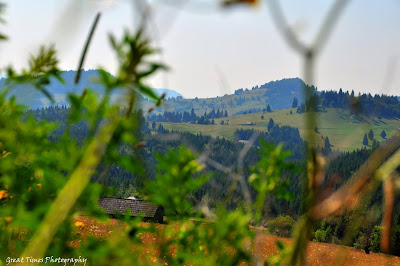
(317, 253)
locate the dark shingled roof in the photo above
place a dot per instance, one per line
(120, 206)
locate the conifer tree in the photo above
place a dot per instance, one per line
(327, 145)
(374, 143)
(383, 134)
(365, 140)
(295, 102)
(371, 135)
(270, 124)
(192, 115)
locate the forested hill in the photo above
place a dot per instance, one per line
(376, 106)
(274, 95)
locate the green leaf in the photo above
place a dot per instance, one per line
(280, 245)
(147, 91)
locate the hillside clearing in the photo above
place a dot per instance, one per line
(345, 131)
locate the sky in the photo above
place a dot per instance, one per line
(213, 51)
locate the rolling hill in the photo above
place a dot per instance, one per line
(345, 131)
(278, 94)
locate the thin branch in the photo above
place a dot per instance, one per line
(217, 165)
(389, 197)
(371, 170)
(282, 25)
(85, 49)
(70, 193)
(328, 25)
(390, 72)
(242, 154)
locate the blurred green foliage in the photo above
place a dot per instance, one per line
(175, 181)
(44, 184)
(266, 177)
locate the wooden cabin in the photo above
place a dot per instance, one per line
(145, 209)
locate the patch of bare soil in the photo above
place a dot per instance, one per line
(317, 253)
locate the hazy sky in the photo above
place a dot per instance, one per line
(213, 51)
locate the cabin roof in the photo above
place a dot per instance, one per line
(136, 207)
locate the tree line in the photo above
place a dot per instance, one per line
(178, 117)
(381, 106)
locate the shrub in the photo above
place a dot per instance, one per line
(369, 240)
(375, 239)
(362, 242)
(281, 226)
(323, 234)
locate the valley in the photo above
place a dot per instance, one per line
(196, 133)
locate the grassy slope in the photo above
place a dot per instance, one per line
(345, 132)
(206, 104)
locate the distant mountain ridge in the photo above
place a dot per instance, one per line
(29, 96)
(169, 93)
(278, 94)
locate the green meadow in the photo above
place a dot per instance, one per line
(345, 131)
